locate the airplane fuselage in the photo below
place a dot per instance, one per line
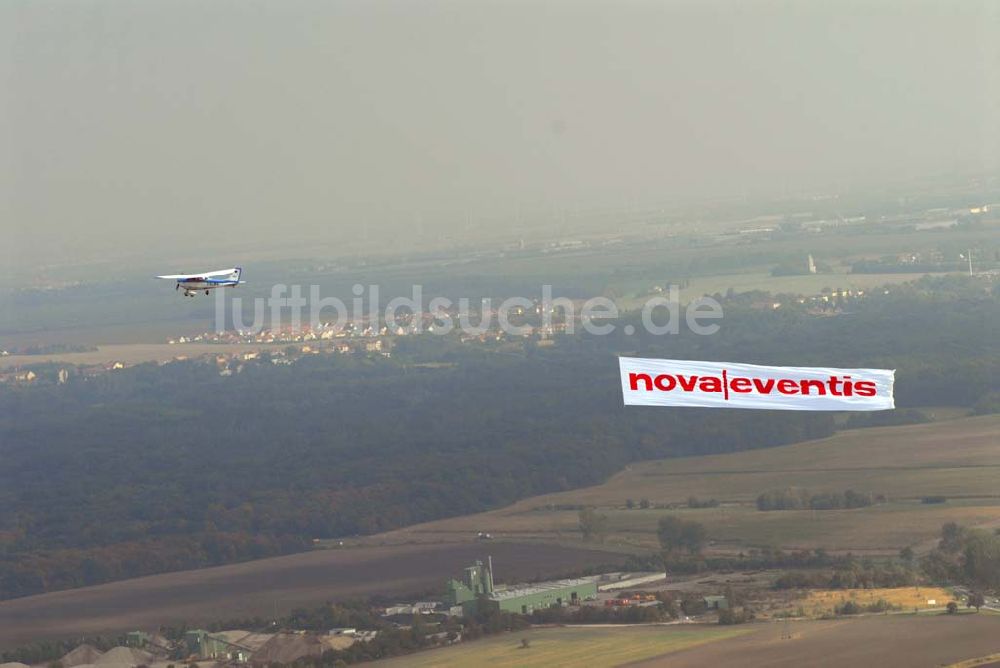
(193, 286)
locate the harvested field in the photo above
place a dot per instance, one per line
(894, 640)
(593, 646)
(958, 459)
(269, 586)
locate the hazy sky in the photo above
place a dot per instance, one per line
(130, 127)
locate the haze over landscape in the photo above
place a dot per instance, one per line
(459, 308)
(222, 126)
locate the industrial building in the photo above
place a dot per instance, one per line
(716, 602)
(526, 598)
(207, 645)
(475, 592)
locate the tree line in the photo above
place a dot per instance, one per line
(796, 498)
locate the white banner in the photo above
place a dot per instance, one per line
(656, 382)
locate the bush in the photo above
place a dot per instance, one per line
(728, 617)
(693, 606)
(849, 608)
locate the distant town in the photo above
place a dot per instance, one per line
(284, 345)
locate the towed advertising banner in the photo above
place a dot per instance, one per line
(657, 382)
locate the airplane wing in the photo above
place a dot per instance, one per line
(183, 277)
(204, 276)
(222, 272)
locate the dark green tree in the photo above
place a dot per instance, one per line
(593, 525)
(676, 534)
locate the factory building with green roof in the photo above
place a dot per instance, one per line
(475, 592)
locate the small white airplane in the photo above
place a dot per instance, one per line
(192, 283)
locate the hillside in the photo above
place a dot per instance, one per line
(958, 459)
(137, 471)
(268, 587)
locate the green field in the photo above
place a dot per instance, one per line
(811, 284)
(553, 647)
(807, 284)
(137, 353)
(958, 459)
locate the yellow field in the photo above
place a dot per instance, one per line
(577, 646)
(137, 353)
(959, 459)
(822, 601)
